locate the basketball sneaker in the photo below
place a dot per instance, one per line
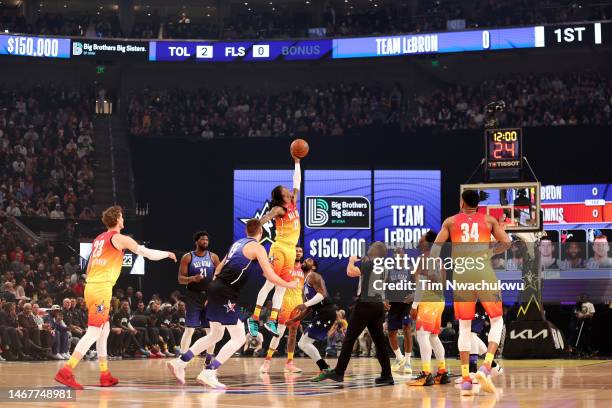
(290, 367)
(177, 368)
(466, 388)
(272, 327)
(65, 376)
(407, 368)
(329, 374)
(483, 375)
(496, 371)
(472, 377)
(265, 367)
(209, 378)
(424, 379)
(253, 327)
(107, 380)
(442, 378)
(398, 364)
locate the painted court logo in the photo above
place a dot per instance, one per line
(337, 212)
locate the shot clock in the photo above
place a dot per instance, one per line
(503, 153)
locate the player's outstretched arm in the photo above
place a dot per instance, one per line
(122, 242)
(297, 179)
(257, 251)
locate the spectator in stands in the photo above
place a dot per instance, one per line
(46, 335)
(14, 337)
(28, 324)
(61, 343)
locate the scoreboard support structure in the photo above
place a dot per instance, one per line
(515, 202)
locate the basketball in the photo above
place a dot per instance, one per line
(294, 313)
(299, 148)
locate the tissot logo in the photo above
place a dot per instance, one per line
(269, 230)
(342, 212)
(528, 334)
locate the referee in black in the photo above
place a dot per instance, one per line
(369, 311)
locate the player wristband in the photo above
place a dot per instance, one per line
(318, 298)
(415, 305)
(297, 176)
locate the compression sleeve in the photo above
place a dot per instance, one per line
(297, 176)
(152, 254)
(318, 298)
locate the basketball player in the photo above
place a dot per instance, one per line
(323, 312)
(466, 230)
(292, 298)
(427, 310)
(398, 317)
(196, 270)
(222, 307)
(282, 252)
(102, 272)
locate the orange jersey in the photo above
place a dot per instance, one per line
(288, 226)
(105, 260)
(471, 227)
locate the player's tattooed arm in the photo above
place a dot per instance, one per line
(274, 212)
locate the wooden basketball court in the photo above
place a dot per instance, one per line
(147, 383)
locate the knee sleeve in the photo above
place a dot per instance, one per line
(495, 332)
(263, 292)
(478, 346)
(424, 345)
(306, 344)
(237, 339)
(465, 339)
(276, 339)
(437, 346)
(91, 335)
(277, 299)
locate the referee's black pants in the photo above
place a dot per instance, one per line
(372, 316)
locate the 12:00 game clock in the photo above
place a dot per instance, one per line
(503, 153)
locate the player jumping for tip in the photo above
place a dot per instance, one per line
(284, 211)
(103, 271)
(470, 233)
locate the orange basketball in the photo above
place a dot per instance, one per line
(299, 148)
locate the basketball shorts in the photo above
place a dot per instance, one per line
(292, 298)
(282, 258)
(429, 316)
(465, 300)
(222, 304)
(322, 320)
(195, 309)
(97, 299)
(398, 316)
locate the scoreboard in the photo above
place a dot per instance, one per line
(574, 205)
(593, 34)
